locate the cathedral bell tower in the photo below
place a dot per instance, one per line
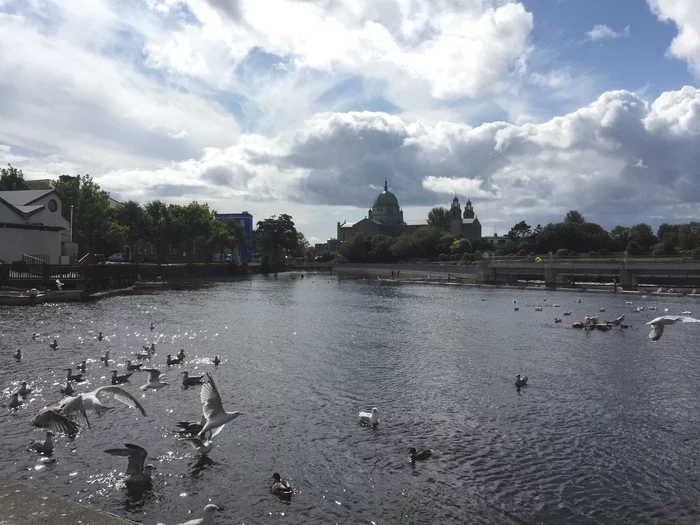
(468, 210)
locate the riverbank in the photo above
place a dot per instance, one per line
(26, 505)
(466, 275)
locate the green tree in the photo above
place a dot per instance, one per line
(192, 224)
(689, 236)
(439, 218)
(668, 234)
(157, 225)
(132, 218)
(619, 237)
(574, 217)
(356, 249)
(93, 220)
(643, 235)
(521, 230)
(11, 179)
(275, 235)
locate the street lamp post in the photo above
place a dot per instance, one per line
(70, 234)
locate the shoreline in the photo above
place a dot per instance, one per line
(24, 504)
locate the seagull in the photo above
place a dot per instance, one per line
(67, 389)
(35, 335)
(208, 518)
(687, 313)
(82, 403)
(15, 402)
(567, 313)
(172, 361)
(152, 326)
(602, 310)
(18, 354)
(153, 380)
(151, 349)
(281, 487)
(43, 447)
(131, 367)
(136, 472)
(119, 379)
(24, 390)
(557, 319)
(520, 381)
(217, 360)
(50, 417)
(100, 336)
(190, 428)
(213, 410)
(181, 353)
(538, 308)
(618, 320)
(658, 324)
(420, 454)
(190, 381)
(70, 376)
(54, 345)
(82, 366)
(105, 358)
(369, 418)
(202, 447)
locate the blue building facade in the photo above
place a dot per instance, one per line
(245, 219)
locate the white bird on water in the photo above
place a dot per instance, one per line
(136, 472)
(154, 382)
(658, 324)
(213, 409)
(207, 519)
(369, 418)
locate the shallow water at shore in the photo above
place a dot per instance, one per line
(606, 431)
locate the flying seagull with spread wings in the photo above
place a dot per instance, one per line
(213, 410)
(658, 324)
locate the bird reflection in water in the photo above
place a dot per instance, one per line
(200, 465)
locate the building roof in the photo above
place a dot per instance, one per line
(347, 225)
(386, 198)
(22, 197)
(421, 222)
(470, 221)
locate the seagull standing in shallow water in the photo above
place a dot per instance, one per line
(658, 324)
(213, 409)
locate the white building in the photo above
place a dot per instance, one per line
(31, 225)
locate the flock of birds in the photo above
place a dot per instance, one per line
(71, 413)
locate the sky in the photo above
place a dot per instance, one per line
(530, 108)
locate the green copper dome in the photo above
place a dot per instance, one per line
(386, 198)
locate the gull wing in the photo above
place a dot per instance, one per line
(665, 319)
(56, 422)
(137, 457)
(687, 319)
(211, 398)
(74, 408)
(154, 374)
(120, 395)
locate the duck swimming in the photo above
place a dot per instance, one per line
(520, 381)
(419, 454)
(82, 366)
(100, 336)
(217, 360)
(173, 361)
(18, 354)
(24, 390)
(54, 345)
(67, 389)
(281, 487)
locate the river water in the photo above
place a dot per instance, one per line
(607, 430)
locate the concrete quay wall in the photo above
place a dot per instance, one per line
(26, 505)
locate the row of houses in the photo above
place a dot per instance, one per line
(33, 228)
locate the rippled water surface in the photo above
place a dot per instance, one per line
(606, 432)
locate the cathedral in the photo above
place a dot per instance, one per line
(385, 217)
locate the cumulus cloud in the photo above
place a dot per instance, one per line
(685, 14)
(604, 32)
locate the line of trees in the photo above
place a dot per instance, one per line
(574, 235)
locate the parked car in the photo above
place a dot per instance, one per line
(117, 257)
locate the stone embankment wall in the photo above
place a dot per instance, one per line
(437, 272)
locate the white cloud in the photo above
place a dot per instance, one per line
(686, 15)
(604, 32)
